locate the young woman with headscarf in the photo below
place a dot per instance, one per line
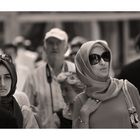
(17, 106)
(102, 104)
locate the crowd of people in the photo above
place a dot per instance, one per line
(65, 85)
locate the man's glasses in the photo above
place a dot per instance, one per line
(95, 58)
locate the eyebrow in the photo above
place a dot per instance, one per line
(5, 74)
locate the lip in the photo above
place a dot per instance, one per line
(54, 51)
(2, 90)
(103, 69)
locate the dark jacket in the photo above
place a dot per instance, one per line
(131, 72)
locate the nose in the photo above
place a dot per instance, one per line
(55, 46)
(102, 62)
(2, 83)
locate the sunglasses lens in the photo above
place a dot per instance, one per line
(106, 56)
(94, 59)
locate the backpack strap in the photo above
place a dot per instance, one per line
(131, 109)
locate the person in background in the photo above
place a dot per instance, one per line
(103, 103)
(71, 86)
(22, 70)
(42, 87)
(74, 46)
(24, 55)
(15, 103)
(131, 70)
(41, 56)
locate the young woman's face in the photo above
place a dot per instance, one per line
(5, 81)
(99, 60)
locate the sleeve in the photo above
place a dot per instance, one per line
(134, 93)
(76, 111)
(29, 120)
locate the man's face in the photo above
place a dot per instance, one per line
(55, 48)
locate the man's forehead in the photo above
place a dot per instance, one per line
(53, 39)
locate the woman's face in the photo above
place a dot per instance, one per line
(99, 60)
(5, 81)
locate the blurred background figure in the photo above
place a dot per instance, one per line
(42, 87)
(24, 55)
(22, 70)
(131, 71)
(73, 47)
(41, 56)
(70, 86)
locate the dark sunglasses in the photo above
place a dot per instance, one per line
(96, 58)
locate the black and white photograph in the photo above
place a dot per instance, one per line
(70, 69)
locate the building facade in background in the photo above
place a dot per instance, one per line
(119, 29)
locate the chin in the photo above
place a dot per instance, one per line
(104, 76)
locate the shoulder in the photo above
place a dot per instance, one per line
(21, 98)
(38, 71)
(133, 91)
(130, 85)
(42, 66)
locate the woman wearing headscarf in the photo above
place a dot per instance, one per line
(17, 106)
(102, 104)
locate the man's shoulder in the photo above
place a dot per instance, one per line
(40, 68)
(133, 64)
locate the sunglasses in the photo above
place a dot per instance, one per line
(96, 58)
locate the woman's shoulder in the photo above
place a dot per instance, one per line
(133, 91)
(21, 98)
(130, 85)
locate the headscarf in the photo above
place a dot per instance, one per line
(96, 87)
(8, 102)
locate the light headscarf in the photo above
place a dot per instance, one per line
(96, 87)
